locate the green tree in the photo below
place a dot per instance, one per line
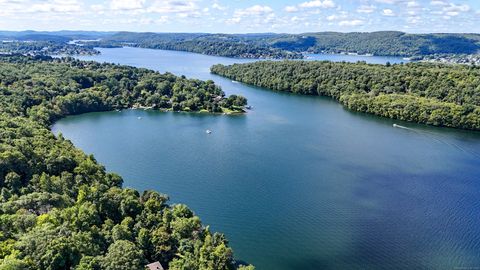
(123, 255)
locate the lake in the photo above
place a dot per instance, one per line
(298, 182)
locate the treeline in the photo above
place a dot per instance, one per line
(424, 93)
(387, 43)
(237, 46)
(59, 208)
(45, 48)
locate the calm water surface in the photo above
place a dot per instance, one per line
(298, 182)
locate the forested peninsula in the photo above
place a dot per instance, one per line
(227, 45)
(59, 208)
(439, 95)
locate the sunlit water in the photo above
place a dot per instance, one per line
(298, 182)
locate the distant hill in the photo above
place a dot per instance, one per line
(387, 43)
(381, 43)
(228, 45)
(271, 45)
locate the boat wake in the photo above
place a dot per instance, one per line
(440, 139)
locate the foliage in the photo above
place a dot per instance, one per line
(51, 47)
(388, 43)
(59, 208)
(425, 93)
(238, 46)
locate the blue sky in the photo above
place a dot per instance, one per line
(242, 16)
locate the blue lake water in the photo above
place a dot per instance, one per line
(298, 182)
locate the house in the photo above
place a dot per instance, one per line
(154, 266)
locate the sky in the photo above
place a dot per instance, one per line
(242, 16)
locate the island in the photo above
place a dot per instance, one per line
(60, 208)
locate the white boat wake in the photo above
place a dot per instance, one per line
(439, 139)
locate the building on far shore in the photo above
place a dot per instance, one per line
(154, 266)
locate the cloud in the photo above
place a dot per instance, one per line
(54, 6)
(218, 7)
(366, 9)
(257, 13)
(332, 17)
(351, 23)
(126, 4)
(413, 4)
(447, 10)
(318, 4)
(291, 9)
(391, 1)
(173, 6)
(438, 3)
(388, 12)
(253, 11)
(413, 20)
(455, 10)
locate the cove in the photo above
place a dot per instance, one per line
(298, 182)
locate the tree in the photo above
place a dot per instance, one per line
(123, 255)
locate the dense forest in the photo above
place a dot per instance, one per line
(387, 43)
(59, 208)
(238, 46)
(45, 48)
(432, 94)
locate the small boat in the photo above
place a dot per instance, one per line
(235, 82)
(139, 118)
(208, 131)
(248, 107)
(398, 126)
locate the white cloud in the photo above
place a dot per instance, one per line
(126, 4)
(366, 9)
(332, 17)
(54, 6)
(291, 9)
(218, 7)
(297, 19)
(257, 14)
(438, 3)
(455, 10)
(413, 4)
(413, 20)
(388, 12)
(351, 23)
(253, 10)
(318, 4)
(173, 6)
(391, 1)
